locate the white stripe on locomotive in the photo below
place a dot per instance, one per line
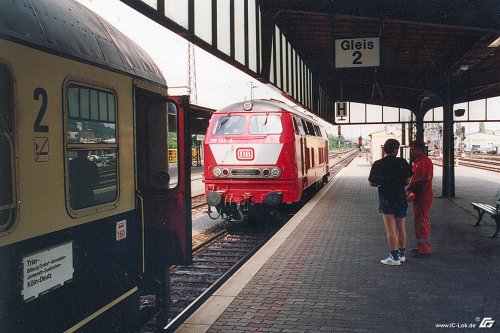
(265, 153)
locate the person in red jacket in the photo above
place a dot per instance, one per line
(421, 185)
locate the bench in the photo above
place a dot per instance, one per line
(493, 211)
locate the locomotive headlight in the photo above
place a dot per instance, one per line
(217, 172)
(275, 172)
(266, 172)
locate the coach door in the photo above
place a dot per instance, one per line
(163, 177)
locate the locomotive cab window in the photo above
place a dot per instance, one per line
(91, 147)
(265, 124)
(7, 176)
(229, 125)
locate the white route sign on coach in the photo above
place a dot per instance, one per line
(42, 271)
(357, 52)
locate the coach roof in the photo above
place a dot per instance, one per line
(71, 30)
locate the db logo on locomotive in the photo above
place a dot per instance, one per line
(244, 154)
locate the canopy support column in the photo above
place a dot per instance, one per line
(448, 143)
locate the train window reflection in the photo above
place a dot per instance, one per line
(84, 103)
(91, 147)
(229, 125)
(89, 178)
(265, 124)
(7, 190)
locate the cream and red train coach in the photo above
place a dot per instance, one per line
(91, 211)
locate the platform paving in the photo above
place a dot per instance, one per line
(322, 271)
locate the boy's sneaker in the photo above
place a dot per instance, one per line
(390, 261)
(402, 258)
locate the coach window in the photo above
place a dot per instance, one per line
(173, 149)
(7, 190)
(265, 124)
(91, 147)
(229, 125)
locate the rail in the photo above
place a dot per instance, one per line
(341, 160)
(213, 263)
(490, 163)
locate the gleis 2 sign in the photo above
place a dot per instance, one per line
(357, 52)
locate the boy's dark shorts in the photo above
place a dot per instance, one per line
(397, 211)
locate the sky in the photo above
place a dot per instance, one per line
(217, 83)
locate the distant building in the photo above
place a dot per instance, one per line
(483, 142)
(377, 139)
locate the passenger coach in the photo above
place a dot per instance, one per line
(91, 212)
(260, 155)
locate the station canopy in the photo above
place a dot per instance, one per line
(398, 53)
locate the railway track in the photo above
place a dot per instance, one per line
(198, 201)
(490, 163)
(484, 164)
(213, 263)
(341, 161)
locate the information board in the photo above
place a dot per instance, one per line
(45, 270)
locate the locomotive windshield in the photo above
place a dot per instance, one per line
(265, 124)
(229, 125)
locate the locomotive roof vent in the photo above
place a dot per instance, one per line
(247, 106)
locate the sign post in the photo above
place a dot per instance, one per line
(341, 110)
(339, 133)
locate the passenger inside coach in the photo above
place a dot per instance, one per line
(83, 178)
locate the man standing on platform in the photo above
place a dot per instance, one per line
(421, 185)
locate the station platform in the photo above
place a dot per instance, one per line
(322, 273)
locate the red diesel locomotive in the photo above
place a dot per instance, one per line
(260, 155)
